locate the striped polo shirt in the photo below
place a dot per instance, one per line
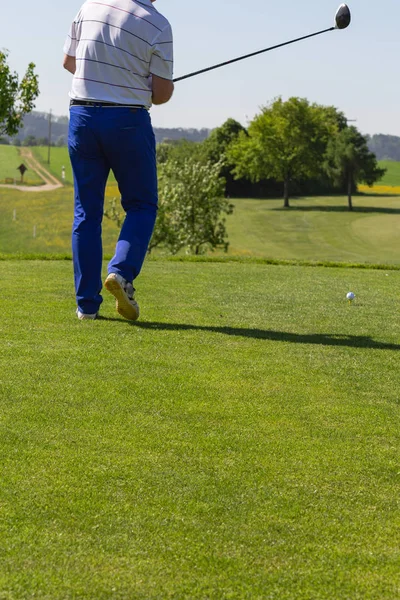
(118, 44)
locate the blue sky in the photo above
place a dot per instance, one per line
(355, 70)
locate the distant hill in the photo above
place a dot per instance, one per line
(385, 147)
(37, 124)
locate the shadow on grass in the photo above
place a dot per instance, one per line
(356, 209)
(323, 339)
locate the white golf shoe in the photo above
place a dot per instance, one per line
(83, 316)
(123, 291)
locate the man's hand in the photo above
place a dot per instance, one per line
(162, 89)
(69, 63)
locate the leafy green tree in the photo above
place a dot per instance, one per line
(216, 144)
(349, 159)
(16, 97)
(191, 207)
(180, 151)
(285, 142)
(215, 150)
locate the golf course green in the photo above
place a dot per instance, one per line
(241, 440)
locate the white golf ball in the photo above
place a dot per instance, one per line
(350, 296)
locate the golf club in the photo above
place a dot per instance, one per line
(342, 20)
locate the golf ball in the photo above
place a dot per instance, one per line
(350, 296)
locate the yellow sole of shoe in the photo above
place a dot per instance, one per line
(123, 306)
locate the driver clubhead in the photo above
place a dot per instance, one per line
(343, 17)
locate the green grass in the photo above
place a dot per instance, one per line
(318, 229)
(51, 213)
(314, 229)
(241, 441)
(10, 159)
(58, 158)
(392, 176)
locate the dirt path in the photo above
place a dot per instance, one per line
(50, 182)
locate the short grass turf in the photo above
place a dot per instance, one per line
(241, 441)
(317, 228)
(313, 229)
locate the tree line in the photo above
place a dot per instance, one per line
(289, 148)
(31, 140)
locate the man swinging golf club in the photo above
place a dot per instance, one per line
(120, 53)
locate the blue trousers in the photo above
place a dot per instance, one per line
(120, 139)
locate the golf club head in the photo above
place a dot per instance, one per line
(343, 17)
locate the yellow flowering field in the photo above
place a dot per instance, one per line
(380, 189)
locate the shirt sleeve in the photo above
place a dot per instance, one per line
(162, 58)
(71, 42)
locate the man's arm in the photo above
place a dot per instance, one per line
(162, 89)
(69, 63)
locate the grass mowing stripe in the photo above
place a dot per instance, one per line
(241, 441)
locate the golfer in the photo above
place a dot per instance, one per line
(120, 53)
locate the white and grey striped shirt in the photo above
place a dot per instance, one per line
(118, 44)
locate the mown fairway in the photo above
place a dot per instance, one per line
(241, 441)
(318, 229)
(314, 229)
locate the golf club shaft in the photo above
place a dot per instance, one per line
(229, 62)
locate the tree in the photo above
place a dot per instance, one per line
(349, 159)
(180, 150)
(191, 205)
(30, 140)
(220, 138)
(16, 97)
(215, 149)
(285, 142)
